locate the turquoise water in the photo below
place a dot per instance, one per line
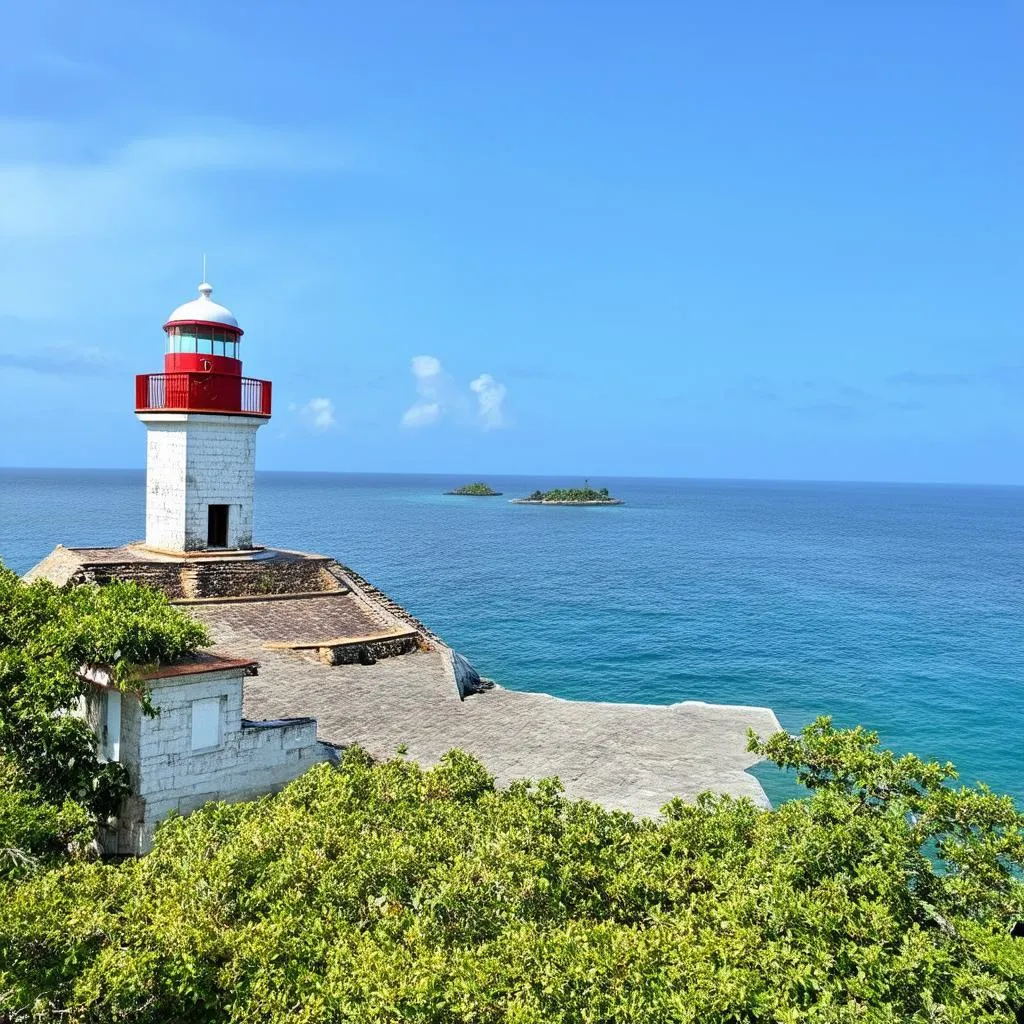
(898, 607)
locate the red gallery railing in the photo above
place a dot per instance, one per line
(222, 393)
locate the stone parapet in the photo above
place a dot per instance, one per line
(367, 651)
(183, 577)
(162, 576)
(278, 574)
(350, 578)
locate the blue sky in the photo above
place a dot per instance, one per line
(682, 239)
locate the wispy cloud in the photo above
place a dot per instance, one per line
(909, 391)
(50, 190)
(834, 411)
(317, 414)
(831, 400)
(916, 378)
(422, 414)
(490, 397)
(438, 396)
(1006, 378)
(59, 360)
(758, 389)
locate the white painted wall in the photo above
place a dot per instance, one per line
(166, 446)
(194, 460)
(167, 774)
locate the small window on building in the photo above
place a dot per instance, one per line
(217, 526)
(206, 346)
(111, 711)
(218, 348)
(206, 723)
(188, 343)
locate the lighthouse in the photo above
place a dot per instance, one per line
(201, 418)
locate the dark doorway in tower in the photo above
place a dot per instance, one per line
(217, 527)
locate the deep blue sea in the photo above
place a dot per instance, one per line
(895, 606)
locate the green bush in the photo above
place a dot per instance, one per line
(576, 494)
(385, 892)
(56, 790)
(34, 830)
(477, 489)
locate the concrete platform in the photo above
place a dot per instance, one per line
(292, 612)
(299, 620)
(632, 757)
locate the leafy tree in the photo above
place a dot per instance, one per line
(476, 489)
(55, 788)
(975, 836)
(385, 892)
(573, 494)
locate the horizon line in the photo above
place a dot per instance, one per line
(572, 476)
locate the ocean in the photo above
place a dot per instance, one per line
(897, 607)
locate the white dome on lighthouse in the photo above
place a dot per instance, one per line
(203, 309)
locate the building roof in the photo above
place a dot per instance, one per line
(193, 665)
(199, 663)
(203, 310)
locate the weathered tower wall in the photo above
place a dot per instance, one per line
(194, 461)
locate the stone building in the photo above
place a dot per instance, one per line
(309, 656)
(197, 747)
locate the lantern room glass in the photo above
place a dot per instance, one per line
(203, 340)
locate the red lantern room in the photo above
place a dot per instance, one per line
(202, 336)
(202, 365)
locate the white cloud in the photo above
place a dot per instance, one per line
(424, 368)
(490, 397)
(430, 382)
(318, 414)
(422, 414)
(439, 397)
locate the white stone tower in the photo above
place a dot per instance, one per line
(201, 419)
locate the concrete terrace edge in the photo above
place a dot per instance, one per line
(62, 564)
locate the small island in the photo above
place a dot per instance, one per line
(476, 490)
(570, 496)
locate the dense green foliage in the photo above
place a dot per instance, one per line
(383, 892)
(480, 490)
(53, 787)
(578, 494)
